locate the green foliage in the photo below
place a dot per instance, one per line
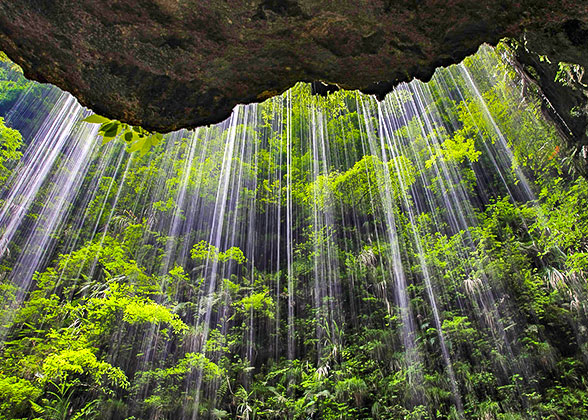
(260, 303)
(138, 317)
(160, 389)
(203, 251)
(60, 406)
(137, 139)
(15, 396)
(360, 185)
(64, 365)
(135, 309)
(10, 143)
(456, 149)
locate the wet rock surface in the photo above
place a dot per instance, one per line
(168, 64)
(549, 60)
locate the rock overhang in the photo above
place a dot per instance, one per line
(170, 64)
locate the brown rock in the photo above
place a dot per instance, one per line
(167, 64)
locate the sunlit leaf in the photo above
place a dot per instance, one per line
(96, 119)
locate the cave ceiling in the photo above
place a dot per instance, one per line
(170, 64)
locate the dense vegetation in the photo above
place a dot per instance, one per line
(311, 258)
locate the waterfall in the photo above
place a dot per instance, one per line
(310, 257)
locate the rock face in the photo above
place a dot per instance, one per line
(167, 64)
(563, 85)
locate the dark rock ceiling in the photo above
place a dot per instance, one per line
(168, 64)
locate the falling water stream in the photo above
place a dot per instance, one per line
(280, 242)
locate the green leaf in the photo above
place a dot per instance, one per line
(112, 131)
(107, 126)
(36, 407)
(138, 144)
(96, 119)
